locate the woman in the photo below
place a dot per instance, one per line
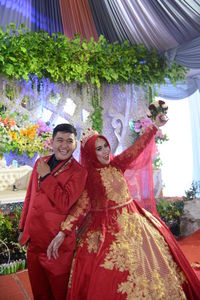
(125, 252)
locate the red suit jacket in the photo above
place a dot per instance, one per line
(47, 204)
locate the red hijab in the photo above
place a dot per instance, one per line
(139, 171)
(89, 160)
(88, 153)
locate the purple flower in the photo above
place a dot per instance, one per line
(43, 127)
(137, 127)
(146, 122)
(159, 134)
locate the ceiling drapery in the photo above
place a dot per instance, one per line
(45, 15)
(159, 24)
(77, 18)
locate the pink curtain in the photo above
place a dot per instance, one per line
(77, 18)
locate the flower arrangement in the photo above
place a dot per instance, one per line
(29, 139)
(157, 107)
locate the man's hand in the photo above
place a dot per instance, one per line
(43, 168)
(161, 120)
(55, 244)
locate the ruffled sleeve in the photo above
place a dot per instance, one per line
(124, 159)
(76, 214)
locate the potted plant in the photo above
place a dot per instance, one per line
(192, 192)
(170, 213)
(12, 255)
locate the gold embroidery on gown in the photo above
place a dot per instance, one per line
(115, 185)
(141, 250)
(71, 271)
(153, 219)
(138, 248)
(71, 218)
(94, 238)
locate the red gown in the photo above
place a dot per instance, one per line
(46, 205)
(125, 252)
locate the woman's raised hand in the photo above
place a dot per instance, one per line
(161, 119)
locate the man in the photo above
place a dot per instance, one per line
(55, 185)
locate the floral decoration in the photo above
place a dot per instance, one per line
(157, 107)
(138, 128)
(27, 138)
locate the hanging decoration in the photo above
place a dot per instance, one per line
(61, 60)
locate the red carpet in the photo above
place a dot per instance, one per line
(17, 287)
(191, 248)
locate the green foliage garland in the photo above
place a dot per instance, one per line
(24, 53)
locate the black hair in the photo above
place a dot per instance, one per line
(64, 128)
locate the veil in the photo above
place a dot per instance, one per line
(138, 175)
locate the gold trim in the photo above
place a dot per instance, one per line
(113, 207)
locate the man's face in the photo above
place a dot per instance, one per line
(64, 144)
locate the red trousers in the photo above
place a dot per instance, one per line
(45, 283)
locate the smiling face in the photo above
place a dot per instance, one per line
(102, 151)
(64, 144)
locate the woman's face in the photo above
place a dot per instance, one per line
(102, 151)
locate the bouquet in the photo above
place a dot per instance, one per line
(157, 107)
(138, 127)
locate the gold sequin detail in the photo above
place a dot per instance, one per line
(141, 250)
(115, 184)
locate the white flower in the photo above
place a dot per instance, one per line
(155, 103)
(164, 105)
(149, 113)
(14, 127)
